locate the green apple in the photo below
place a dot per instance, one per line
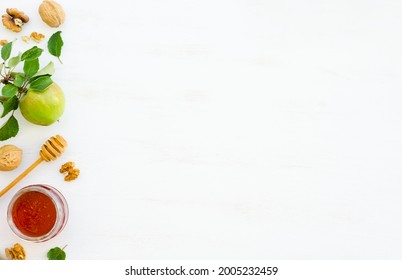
(43, 107)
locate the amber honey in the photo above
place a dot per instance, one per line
(37, 213)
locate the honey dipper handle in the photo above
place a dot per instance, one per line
(22, 175)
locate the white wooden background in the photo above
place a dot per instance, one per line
(242, 129)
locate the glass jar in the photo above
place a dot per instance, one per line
(37, 213)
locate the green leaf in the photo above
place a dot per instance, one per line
(6, 51)
(19, 80)
(31, 67)
(55, 44)
(31, 54)
(9, 129)
(47, 70)
(35, 77)
(41, 83)
(14, 61)
(9, 90)
(56, 253)
(10, 105)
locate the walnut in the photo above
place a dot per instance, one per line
(25, 39)
(9, 23)
(72, 173)
(52, 13)
(10, 157)
(14, 19)
(15, 253)
(37, 37)
(17, 14)
(67, 166)
(3, 42)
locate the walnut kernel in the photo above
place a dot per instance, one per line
(72, 173)
(25, 39)
(14, 19)
(15, 253)
(37, 37)
(9, 23)
(17, 14)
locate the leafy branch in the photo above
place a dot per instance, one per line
(16, 84)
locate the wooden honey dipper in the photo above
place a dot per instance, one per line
(51, 150)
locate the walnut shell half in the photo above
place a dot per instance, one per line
(10, 157)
